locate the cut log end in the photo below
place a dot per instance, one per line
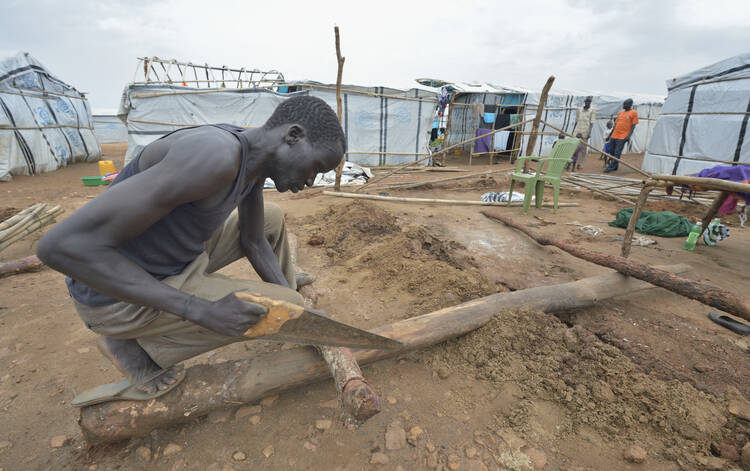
(359, 399)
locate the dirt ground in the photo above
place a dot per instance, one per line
(581, 390)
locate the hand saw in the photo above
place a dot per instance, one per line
(292, 323)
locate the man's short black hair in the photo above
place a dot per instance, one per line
(319, 120)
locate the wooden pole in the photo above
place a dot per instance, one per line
(22, 265)
(713, 209)
(210, 387)
(710, 295)
(399, 199)
(339, 73)
(537, 119)
(708, 183)
(404, 186)
(628, 240)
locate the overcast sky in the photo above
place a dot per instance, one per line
(631, 46)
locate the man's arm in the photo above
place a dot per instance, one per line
(632, 128)
(83, 246)
(253, 240)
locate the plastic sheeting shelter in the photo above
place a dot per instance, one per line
(704, 120)
(109, 129)
(44, 122)
(383, 126)
(560, 111)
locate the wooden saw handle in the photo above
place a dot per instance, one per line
(278, 313)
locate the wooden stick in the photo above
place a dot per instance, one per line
(535, 126)
(22, 265)
(403, 186)
(596, 190)
(710, 295)
(339, 73)
(711, 183)
(28, 217)
(409, 164)
(13, 220)
(210, 387)
(399, 199)
(628, 240)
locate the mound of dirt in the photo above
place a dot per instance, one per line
(592, 383)
(411, 260)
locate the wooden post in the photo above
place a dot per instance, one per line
(713, 209)
(709, 295)
(340, 61)
(628, 240)
(535, 125)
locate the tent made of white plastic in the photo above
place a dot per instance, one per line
(383, 126)
(44, 122)
(704, 120)
(109, 129)
(559, 111)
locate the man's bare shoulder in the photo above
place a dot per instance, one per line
(207, 151)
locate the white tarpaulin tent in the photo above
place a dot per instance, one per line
(382, 125)
(704, 120)
(560, 111)
(109, 129)
(44, 122)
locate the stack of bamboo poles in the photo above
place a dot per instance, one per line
(625, 189)
(26, 222)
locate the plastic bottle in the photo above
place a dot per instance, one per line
(695, 232)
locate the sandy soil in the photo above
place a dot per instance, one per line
(530, 390)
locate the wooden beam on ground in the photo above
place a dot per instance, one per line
(398, 199)
(628, 240)
(210, 387)
(22, 265)
(577, 182)
(535, 126)
(710, 295)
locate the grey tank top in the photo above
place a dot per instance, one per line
(169, 245)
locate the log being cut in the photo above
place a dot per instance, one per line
(210, 387)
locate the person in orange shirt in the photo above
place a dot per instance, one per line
(625, 124)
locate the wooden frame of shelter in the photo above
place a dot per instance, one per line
(154, 70)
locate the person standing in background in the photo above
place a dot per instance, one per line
(625, 124)
(585, 118)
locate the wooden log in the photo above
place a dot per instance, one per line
(708, 183)
(537, 118)
(339, 73)
(210, 387)
(707, 294)
(356, 396)
(713, 209)
(22, 265)
(628, 240)
(399, 199)
(13, 220)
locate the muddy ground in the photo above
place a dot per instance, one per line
(581, 390)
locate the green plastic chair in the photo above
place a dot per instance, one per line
(562, 153)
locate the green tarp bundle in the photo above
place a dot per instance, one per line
(662, 224)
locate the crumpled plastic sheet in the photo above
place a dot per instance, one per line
(350, 174)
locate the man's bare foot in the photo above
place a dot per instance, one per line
(132, 361)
